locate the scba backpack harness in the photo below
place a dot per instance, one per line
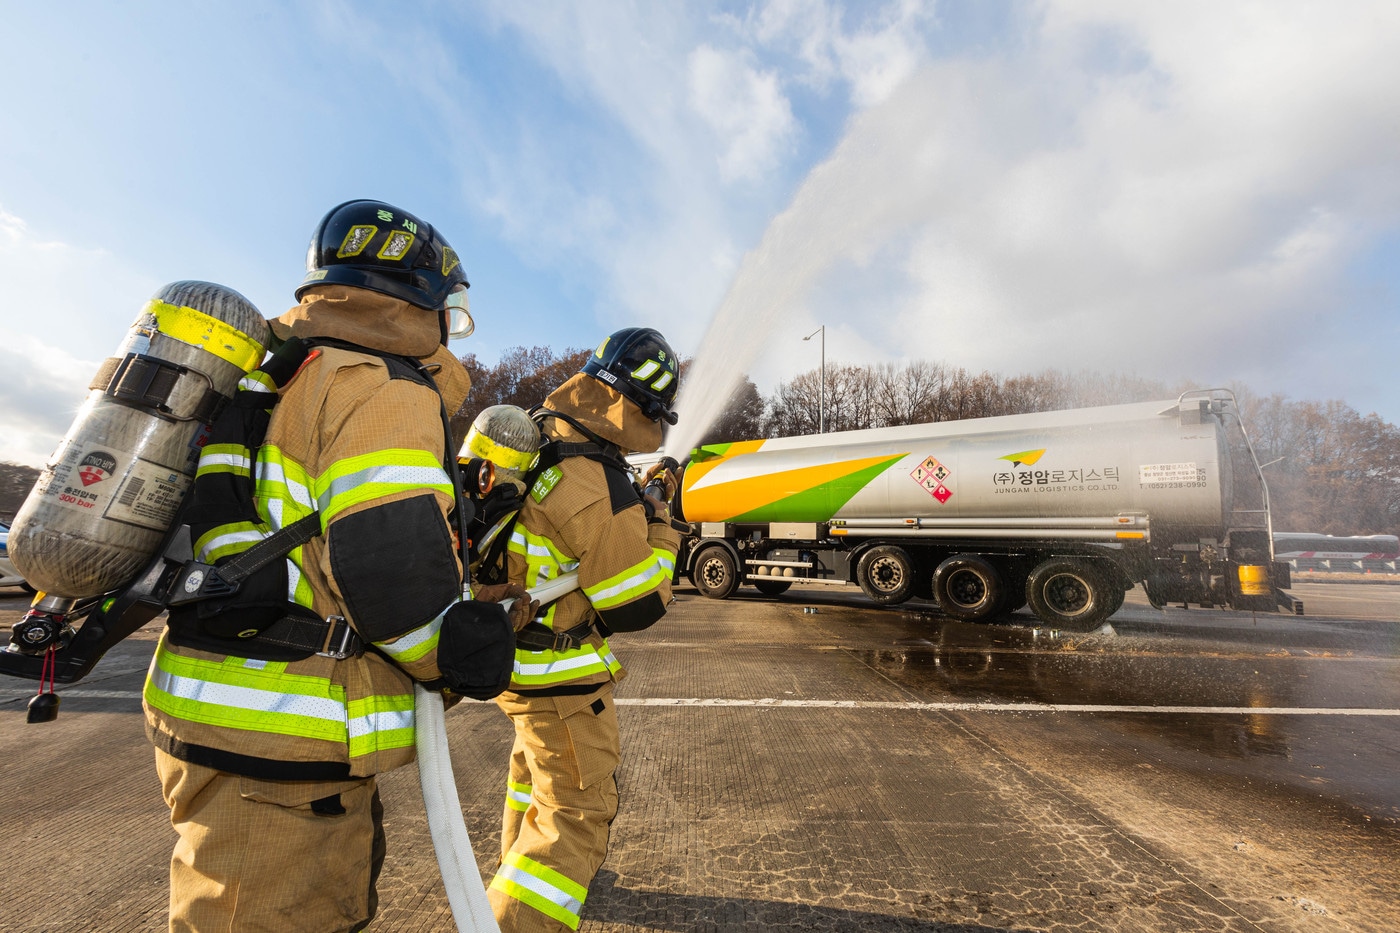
(238, 604)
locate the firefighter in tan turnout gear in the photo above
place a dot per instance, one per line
(584, 513)
(272, 709)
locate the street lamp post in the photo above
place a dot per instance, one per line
(821, 396)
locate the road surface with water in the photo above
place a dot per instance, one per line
(814, 763)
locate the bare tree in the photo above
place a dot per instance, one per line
(742, 418)
(523, 377)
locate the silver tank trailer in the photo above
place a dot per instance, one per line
(1155, 458)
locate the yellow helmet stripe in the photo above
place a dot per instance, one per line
(505, 457)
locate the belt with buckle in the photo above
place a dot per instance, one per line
(537, 637)
(331, 637)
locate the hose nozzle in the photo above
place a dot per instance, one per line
(656, 486)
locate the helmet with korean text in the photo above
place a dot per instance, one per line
(639, 363)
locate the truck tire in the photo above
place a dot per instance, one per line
(886, 574)
(714, 574)
(968, 588)
(1071, 594)
(1116, 595)
(772, 587)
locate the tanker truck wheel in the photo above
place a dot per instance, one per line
(714, 574)
(968, 588)
(1070, 594)
(886, 574)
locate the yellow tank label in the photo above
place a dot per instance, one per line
(198, 329)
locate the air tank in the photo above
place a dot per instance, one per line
(111, 490)
(1160, 458)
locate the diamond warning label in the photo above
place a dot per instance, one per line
(932, 476)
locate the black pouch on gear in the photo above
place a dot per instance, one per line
(259, 602)
(476, 649)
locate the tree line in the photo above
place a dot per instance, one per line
(1330, 469)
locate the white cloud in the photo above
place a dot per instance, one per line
(62, 311)
(745, 107)
(1174, 192)
(873, 57)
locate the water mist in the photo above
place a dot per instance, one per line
(859, 198)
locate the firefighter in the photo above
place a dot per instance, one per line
(268, 739)
(582, 511)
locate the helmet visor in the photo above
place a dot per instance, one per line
(459, 319)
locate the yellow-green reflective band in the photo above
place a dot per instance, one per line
(208, 333)
(505, 457)
(536, 668)
(636, 581)
(224, 540)
(379, 723)
(415, 644)
(237, 697)
(257, 381)
(518, 796)
(225, 458)
(375, 475)
(542, 888)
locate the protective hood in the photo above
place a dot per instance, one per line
(371, 319)
(602, 410)
(378, 322)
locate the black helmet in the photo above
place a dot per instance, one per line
(639, 363)
(370, 244)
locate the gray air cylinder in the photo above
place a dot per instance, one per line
(110, 492)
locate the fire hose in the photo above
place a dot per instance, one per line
(456, 859)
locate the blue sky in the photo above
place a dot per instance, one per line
(1205, 191)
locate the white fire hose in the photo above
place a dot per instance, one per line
(465, 892)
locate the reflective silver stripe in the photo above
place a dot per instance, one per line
(293, 580)
(534, 550)
(406, 643)
(371, 723)
(273, 473)
(233, 537)
(519, 796)
(592, 658)
(633, 582)
(233, 460)
(393, 475)
(541, 887)
(247, 698)
(666, 561)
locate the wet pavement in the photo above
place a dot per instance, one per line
(855, 768)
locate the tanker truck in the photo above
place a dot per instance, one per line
(1065, 511)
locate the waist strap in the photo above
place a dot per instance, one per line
(537, 637)
(332, 637)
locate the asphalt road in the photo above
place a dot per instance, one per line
(814, 763)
